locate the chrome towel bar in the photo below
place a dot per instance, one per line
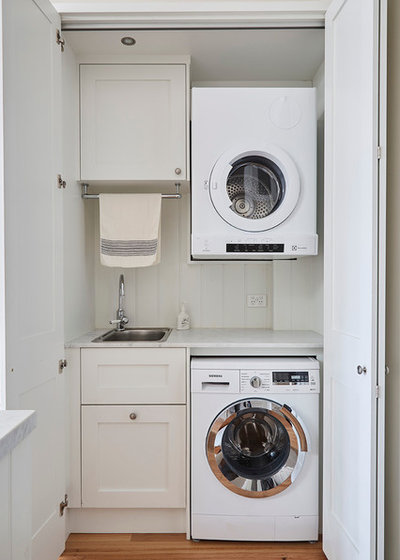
(86, 195)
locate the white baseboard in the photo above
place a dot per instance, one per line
(87, 520)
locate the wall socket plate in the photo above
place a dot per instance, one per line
(257, 300)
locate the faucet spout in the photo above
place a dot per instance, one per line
(121, 292)
(121, 319)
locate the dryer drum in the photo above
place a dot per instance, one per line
(256, 186)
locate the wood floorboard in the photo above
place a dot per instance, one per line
(85, 546)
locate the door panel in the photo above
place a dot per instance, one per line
(351, 279)
(33, 238)
(133, 456)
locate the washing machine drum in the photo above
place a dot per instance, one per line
(256, 447)
(255, 190)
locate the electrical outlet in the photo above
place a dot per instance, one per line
(257, 300)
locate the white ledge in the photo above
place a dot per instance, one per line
(15, 425)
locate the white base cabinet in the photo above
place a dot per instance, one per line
(133, 427)
(133, 456)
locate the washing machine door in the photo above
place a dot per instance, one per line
(254, 189)
(256, 447)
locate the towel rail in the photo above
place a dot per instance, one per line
(86, 195)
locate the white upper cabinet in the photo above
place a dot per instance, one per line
(133, 122)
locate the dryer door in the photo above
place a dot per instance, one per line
(254, 190)
(256, 447)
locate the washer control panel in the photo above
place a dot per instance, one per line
(282, 381)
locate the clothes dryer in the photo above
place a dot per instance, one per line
(253, 173)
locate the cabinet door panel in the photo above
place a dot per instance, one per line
(133, 121)
(354, 281)
(34, 253)
(133, 463)
(140, 375)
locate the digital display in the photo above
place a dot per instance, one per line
(255, 247)
(290, 377)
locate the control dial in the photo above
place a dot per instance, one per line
(255, 382)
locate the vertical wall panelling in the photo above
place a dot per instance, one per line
(189, 277)
(215, 293)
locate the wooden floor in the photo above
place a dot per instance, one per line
(82, 546)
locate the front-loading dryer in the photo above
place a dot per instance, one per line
(253, 173)
(254, 448)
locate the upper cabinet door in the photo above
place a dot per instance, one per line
(133, 122)
(354, 279)
(34, 245)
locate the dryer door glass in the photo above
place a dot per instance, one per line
(256, 447)
(256, 187)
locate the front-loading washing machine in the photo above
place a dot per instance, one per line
(253, 173)
(254, 448)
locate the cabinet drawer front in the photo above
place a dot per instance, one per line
(133, 456)
(133, 375)
(133, 121)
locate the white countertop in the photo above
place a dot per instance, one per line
(213, 338)
(15, 425)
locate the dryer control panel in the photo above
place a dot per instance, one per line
(279, 381)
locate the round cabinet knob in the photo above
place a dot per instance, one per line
(132, 416)
(178, 170)
(361, 370)
(255, 382)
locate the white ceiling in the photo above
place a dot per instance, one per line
(227, 55)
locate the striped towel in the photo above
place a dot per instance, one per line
(130, 229)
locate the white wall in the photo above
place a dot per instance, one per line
(215, 294)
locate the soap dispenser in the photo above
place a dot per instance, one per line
(183, 321)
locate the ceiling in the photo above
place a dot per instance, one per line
(218, 55)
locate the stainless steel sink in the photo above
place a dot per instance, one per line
(135, 335)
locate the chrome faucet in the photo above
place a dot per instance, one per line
(121, 320)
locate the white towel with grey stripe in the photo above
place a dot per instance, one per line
(130, 229)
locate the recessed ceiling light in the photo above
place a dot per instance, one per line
(128, 41)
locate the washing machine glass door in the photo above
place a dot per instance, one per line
(254, 190)
(256, 447)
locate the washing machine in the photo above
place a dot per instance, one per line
(253, 173)
(254, 448)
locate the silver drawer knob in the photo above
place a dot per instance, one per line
(178, 170)
(132, 416)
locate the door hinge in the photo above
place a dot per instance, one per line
(62, 364)
(63, 505)
(61, 184)
(60, 41)
(379, 152)
(377, 391)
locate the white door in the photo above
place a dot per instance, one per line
(133, 456)
(133, 122)
(33, 237)
(353, 284)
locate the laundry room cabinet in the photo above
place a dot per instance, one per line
(133, 427)
(134, 124)
(96, 113)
